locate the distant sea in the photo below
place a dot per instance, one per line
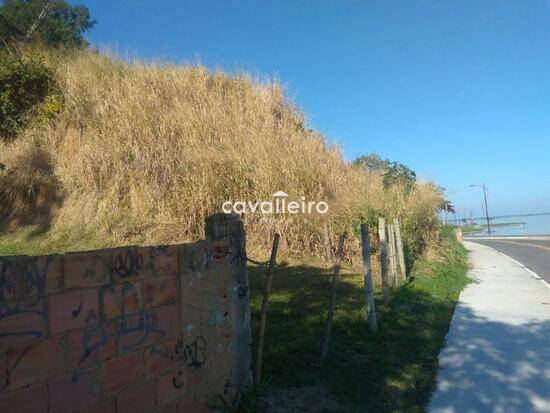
(526, 225)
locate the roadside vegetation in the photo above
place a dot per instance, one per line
(471, 228)
(392, 371)
(119, 153)
(96, 151)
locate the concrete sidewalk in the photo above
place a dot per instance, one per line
(497, 352)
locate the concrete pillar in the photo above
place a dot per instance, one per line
(230, 227)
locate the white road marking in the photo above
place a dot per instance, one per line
(538, 277)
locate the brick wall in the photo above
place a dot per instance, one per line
(150, 329)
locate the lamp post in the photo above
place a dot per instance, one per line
(486, 208)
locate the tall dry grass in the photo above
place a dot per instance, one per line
(142, 153)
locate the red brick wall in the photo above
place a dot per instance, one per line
(118, 330)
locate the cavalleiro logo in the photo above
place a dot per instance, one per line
(278, 205)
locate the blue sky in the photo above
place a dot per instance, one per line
(457, 90)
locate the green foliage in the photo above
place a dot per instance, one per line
(53, 22)
(371, 163)
(394, 172)
(399, 174)
(51, 106)
(24, 84)
(370, 218)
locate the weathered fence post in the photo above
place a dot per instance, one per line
(392, 260)
(400, 251)
(367, 274)
(383, 258)
(230, 227)
(326, 237)
(265, 303)
(458, 234)
(332, 304)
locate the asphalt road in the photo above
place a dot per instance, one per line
(532, 253)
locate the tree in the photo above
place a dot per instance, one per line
(394, 172)
(446, 206)
(371, 163)
(398, 173)
(53, 22)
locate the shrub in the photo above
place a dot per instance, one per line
(51, 106)
(29, 190)
(24, 84)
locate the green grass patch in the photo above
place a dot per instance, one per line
(36, 241)
(391, 371)
(471, 229)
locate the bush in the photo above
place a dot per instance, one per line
(24, 84)
(50, 108)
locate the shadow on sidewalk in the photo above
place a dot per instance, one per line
(494, 367)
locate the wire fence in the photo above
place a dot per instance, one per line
(393, 273)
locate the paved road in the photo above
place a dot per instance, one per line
(496, 358)
(532, 253)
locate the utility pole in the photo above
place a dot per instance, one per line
(486, 207)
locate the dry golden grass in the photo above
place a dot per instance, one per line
(142, 153)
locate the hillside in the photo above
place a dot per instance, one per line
(141, 153)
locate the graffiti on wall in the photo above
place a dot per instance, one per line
(107, 305)
(23, 291)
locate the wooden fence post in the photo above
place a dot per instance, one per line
(367, 274)
(332, 304)
(400, 251)
(391, 256)
(326, 238)
(383, 258)
(265, 302)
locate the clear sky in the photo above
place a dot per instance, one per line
(457, 90)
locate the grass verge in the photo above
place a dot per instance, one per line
(392, 371)
(35, 241)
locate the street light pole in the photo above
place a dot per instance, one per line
(486, 207)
